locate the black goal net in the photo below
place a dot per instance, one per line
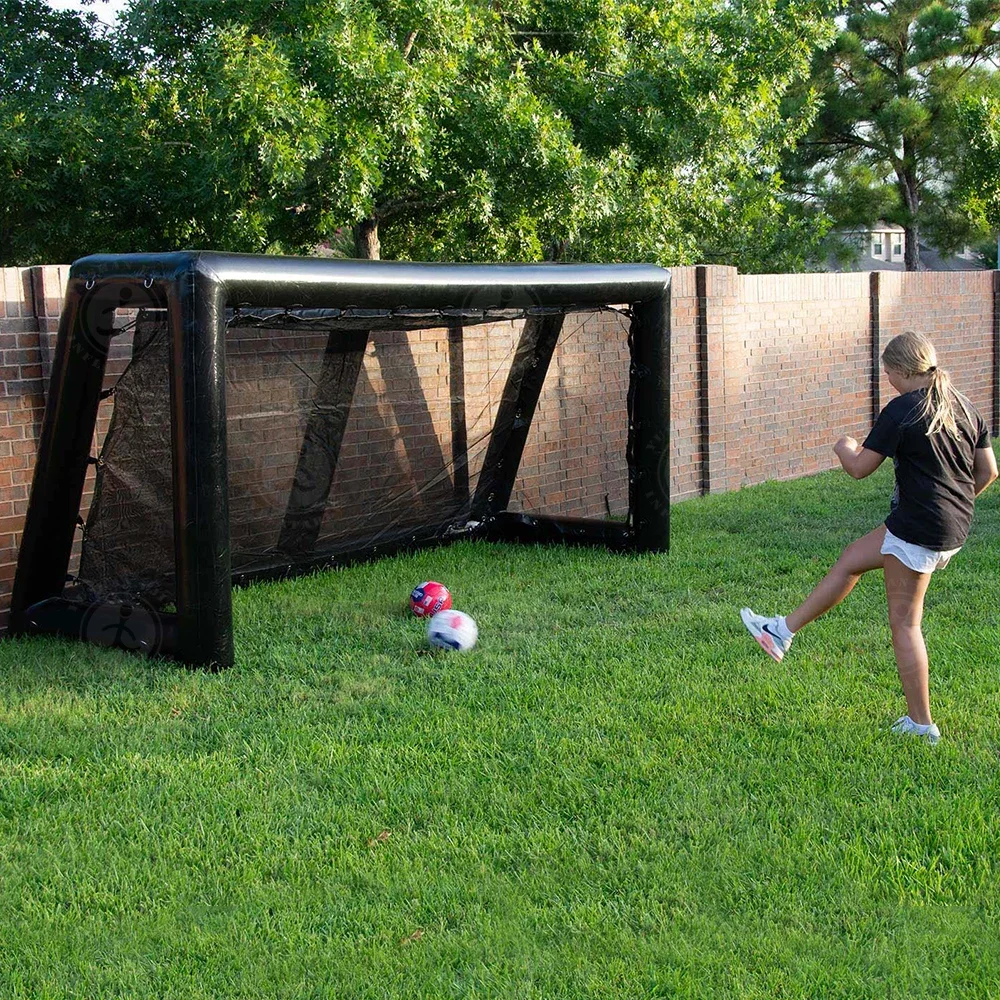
(349, 436)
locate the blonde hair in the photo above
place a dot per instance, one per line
(912, 354)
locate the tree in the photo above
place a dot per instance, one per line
(50, 63)
(410, 116)
(486, 129)
(979, 178)
(682, 105)
(211, 151)
(886, 144)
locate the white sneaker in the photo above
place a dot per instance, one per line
(906, 725)
(765, 631)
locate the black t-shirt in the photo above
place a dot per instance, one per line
(935, 489)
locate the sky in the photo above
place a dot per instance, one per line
(106, 10)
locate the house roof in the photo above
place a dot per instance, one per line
(934, 260)
(930, 260)
(879, 227)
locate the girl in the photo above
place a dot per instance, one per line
(940, 446)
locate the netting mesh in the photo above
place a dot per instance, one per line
(128, 542)
(349, 432)
(575, 458)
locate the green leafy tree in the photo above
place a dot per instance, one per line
(211, 151)
(887, 143)
(491, 129)
(682, 104)
(51, 63)
(978, 185)
(409, 119)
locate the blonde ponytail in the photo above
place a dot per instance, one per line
(938, 406)
(912, 354)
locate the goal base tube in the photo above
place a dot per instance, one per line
(135, 628)
(512, 526)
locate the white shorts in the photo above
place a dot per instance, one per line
(915, 557)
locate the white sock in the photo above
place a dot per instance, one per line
(783, 630)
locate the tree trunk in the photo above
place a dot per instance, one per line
(910, 189)
(556, 250)
(911, 249)
(366, 244)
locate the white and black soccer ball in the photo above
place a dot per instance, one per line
(452, 630)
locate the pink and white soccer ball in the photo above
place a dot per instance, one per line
(452, 630)
(429, 598)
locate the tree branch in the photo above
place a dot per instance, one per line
(839, 139)
(399, 206)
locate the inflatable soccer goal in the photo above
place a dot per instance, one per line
(277, 415)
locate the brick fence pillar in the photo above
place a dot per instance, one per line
(995, 374)
(875, 334)
(704, 382)
(48, 289)
(714, 309)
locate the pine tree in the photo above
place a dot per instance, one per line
(887, 143)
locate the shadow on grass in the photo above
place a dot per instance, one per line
(29, 664)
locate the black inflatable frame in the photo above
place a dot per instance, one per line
(196, 288)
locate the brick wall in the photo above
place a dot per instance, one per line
(786, 364)
(791, 361)
(767, 370)
(21, 406)
(956, 311)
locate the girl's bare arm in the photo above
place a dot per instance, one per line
(984, 468)
(856, 460)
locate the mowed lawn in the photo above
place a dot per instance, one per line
(616, 794)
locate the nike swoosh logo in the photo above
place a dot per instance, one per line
(773, 635)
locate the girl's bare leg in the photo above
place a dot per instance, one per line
(857, 559)
(904, 590)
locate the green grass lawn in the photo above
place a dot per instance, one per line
(616, 794)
